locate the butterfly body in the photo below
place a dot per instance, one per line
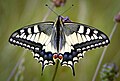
(58, 35)
(64, 40)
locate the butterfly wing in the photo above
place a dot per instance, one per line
(36, 37)
(81, 38)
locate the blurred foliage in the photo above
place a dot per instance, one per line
(109, 72)
(15, 14)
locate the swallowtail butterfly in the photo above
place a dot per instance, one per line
(62, 40)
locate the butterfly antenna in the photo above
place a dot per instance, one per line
(67, 9)
(52, 10)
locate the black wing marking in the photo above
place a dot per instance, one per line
(81, 38)
(35, 37)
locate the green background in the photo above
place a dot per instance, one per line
(15, 14)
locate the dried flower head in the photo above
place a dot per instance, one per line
(109, 72)
(117, 18)
(59, 3)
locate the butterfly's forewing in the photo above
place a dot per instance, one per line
(37, 38)
(81, 38)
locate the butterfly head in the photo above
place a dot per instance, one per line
(64, 19)
(61, 20)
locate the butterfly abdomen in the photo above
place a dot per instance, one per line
(59, 35)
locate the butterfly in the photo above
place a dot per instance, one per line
(61, 40)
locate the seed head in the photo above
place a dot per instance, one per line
(59, 3)
(117, 18)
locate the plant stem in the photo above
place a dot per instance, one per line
(103, 53)
(14, 69)
(57, 63)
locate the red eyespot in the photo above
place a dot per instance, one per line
(55, 56)
(60, 57)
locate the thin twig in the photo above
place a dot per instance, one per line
(20, 70)
(103, 53)
(14, 69)
(54, 75)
